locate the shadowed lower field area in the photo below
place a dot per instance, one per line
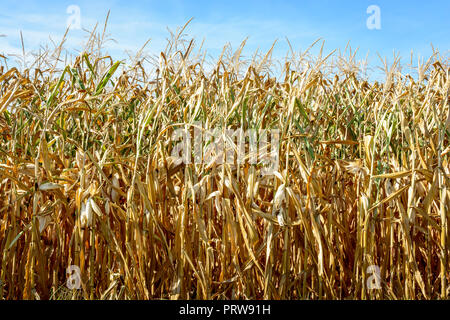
(357, 208)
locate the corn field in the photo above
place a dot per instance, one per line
(361, 194)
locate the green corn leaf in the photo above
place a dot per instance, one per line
(107, 77)
(77, 78)
(56, 88)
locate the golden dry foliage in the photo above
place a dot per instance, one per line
(87, 179)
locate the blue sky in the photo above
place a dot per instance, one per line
(405, 25)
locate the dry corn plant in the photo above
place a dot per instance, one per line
(87, 178)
